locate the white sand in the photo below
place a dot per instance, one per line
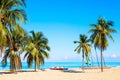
(72, 74)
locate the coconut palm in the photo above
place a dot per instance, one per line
(36, 49)
(15, 61)
(85, 47)
(100, 32)
(11, 14)
(17, 36)
(2, 38)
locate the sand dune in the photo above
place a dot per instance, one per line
(71, 74)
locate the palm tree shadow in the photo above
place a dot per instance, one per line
(27, 71)
(7, 73)
(72, 71)
(16, 72)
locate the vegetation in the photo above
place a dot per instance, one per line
(13, 54)
(36, 49)
(11, 14)
(14, 40)
(100, 32)
(85, 47)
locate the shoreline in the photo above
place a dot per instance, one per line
(48, 65)
(106, 67)
(68, 68)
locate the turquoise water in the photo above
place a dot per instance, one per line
(48, 65)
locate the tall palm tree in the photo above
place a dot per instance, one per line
(17, 36)
(85, 47)
(100, 32)
(36, 49)
(11, 14)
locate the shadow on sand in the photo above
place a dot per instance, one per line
(8, 72)
(72, 71)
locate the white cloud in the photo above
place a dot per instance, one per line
(113, 56)
(66, 57)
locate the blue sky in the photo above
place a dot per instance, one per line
(61, 21)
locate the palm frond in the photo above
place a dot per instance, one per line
(111, 23)
(92, 25)
(44, 53)
(76, 41)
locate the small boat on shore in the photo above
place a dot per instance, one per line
(58, 68)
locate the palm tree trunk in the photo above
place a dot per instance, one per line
(91, 60)
(35, 63)
(97, 57)
(101, 61)
(15, 62)
(104, 61)
(82, 60)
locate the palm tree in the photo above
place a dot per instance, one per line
(36, 49)
(85, 47)
(17, 36)
(15, 61)
(100, 32)
(11, 14)
(2, 38)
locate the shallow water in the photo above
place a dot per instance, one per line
(48, 65)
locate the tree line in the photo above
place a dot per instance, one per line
(100, 33)
(14, 40)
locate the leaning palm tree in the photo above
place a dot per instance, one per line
(36, 49)
(85, 47)
(100, 32)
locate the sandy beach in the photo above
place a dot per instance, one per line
(71, 74)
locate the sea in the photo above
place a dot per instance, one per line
(48, 65)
